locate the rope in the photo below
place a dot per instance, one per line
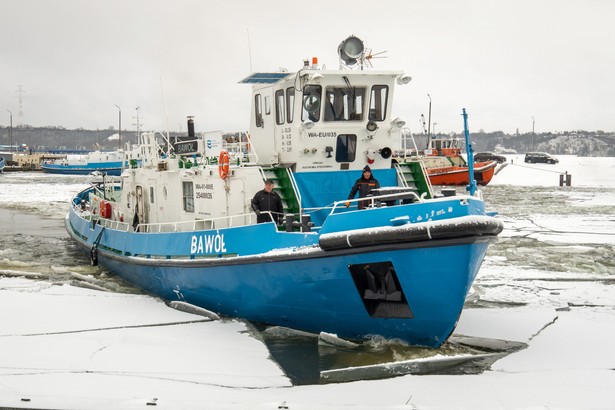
(539, 169)
(544, 229)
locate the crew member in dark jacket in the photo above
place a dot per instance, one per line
(364, 186)
(268, 200)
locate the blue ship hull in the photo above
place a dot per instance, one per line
(314, 282)
(109, 168)
(318, 293)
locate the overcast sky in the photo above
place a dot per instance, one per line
(504, 61)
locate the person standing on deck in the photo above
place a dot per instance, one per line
(266, 200)
(364, 186)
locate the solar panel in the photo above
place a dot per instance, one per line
(264, 78)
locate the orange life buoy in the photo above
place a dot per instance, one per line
(223, 164)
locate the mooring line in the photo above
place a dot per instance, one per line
(101, 329)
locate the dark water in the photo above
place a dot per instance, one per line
(557, 233)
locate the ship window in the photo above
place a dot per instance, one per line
(346, 148)
(258, 110)
(344, 103)
(151, 195)
(290, 104)
(267, 105)
(280, 107)
(188, 196)
(311, 103)
(378, 102)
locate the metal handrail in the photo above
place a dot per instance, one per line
(373, 199)
(151, 227)
(405, 133)
(293, 182)
(400, 175)
(117, 225)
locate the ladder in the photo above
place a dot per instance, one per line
(414, 175)
(285, 186)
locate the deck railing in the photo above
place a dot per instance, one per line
(197, 224)
(376, 201)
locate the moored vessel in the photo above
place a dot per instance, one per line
(446, 166)
(107, 162)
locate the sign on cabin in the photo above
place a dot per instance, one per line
(186, 147)
(213, 143)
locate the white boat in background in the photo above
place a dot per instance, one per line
(105, 162)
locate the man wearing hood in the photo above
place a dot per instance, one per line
(364, 186)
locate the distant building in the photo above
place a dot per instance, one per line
(33, 161)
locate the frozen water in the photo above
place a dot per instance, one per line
(548, 282)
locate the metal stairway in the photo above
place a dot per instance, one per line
(414, 175)
(284, 186)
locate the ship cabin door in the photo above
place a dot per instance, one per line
(262, 129)
(140, 211)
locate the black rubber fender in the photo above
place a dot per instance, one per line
(94, 257)
(412, 232)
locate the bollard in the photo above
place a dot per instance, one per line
(565, 179)
(289, 222)
(306, 225)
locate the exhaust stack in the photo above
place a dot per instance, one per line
(191, 126)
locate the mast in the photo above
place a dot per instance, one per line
(472, 186)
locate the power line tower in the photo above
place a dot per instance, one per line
(138, 124)
(20, 97)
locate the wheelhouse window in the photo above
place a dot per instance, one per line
(188, 196)
(344, 103)
(151, 195)
(290, 104)
(346, 150)
(258, 110)
(280, 107)
(378, 102)
(311, 103)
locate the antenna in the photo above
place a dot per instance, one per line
(138, 122)
(249, 50)
(166, 112)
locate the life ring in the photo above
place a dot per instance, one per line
(223, 164)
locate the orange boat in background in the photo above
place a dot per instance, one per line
(446, 166)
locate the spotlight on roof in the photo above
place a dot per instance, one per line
(350, 50)
(403, 79)
(396, 124)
